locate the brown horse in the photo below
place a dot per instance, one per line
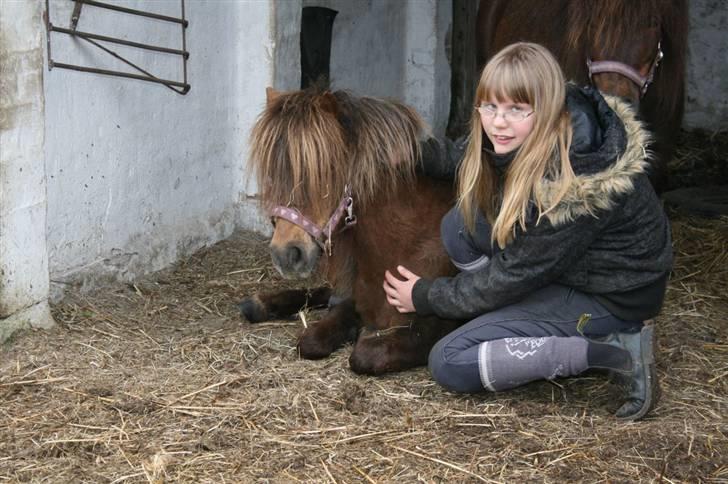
(336, 172)
(635, 49)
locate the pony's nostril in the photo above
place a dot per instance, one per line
(295, 255)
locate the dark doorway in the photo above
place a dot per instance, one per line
(316, 26)
(463, 66)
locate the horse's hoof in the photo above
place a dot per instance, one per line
(312, 348)
(367, 367)
(368, 362)
(253, 310)
(376, 355)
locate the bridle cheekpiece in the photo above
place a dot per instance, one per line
(643, 82)
(322, 236)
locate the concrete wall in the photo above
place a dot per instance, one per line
(287, 53)
(139, 176)
(427, 70)
(23, 252)
(707, 69)
(386, 48)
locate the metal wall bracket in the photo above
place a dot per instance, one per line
(181, 87)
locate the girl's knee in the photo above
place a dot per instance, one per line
(453, 377)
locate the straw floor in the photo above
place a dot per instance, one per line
(161, 381)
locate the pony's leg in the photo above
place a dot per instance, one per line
(339, 326)
(398, 348)
(281, 304)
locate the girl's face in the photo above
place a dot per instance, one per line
(507, 124)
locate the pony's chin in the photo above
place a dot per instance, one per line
(294, 275)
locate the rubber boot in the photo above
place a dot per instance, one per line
(640, 379)
(643, 387)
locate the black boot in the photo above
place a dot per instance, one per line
(644, 389)
(631, 363)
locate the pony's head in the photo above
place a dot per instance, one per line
(307, 147)
(626, 42)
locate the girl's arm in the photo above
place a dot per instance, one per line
(441, 157)
(533, 260)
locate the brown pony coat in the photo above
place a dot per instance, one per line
(306, 146)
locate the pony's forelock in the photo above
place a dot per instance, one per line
(305, 149)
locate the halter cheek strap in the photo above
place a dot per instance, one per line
(295, 217)
(322, 236)
(643, 82)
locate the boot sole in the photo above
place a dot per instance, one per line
(647, 345)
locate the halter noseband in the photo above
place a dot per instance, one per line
(643, 82)
(322, 236)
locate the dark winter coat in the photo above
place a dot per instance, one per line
(608, 236)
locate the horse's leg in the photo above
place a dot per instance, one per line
(281, 304)
(340, 325)
(398, 348)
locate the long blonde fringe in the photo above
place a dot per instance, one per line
(306, 145)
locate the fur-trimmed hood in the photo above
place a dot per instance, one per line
(609, 151)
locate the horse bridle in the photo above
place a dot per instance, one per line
(643, 82)
(322, 236)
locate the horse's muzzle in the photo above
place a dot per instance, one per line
(294, 260)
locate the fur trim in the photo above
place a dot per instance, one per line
(591, 193)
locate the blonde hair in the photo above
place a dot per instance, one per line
(524, 73)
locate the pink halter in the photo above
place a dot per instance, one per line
(643, 82)
(322, 236)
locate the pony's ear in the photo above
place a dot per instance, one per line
(271, 95)
(327, 101)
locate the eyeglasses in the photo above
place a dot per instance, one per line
(513, 115)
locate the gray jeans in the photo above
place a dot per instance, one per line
(545, 321)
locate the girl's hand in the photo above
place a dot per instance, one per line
(399, 293)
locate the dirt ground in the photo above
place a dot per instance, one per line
(161, 381)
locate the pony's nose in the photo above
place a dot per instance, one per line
(289, 257)
(294, 255)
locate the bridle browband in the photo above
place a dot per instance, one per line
(643, 82)
(322, 236)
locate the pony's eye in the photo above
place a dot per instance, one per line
(273, 221)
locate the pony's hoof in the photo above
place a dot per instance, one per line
(370, 360)
(253, 310)
(376, 354)
(311, 347)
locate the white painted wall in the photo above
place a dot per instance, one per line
(392, 49)
(139, 176)
(368, 46)
(286, 25)
(427, 71)
(23, 253)
(707, 69)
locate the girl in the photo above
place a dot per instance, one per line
(563, 246)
